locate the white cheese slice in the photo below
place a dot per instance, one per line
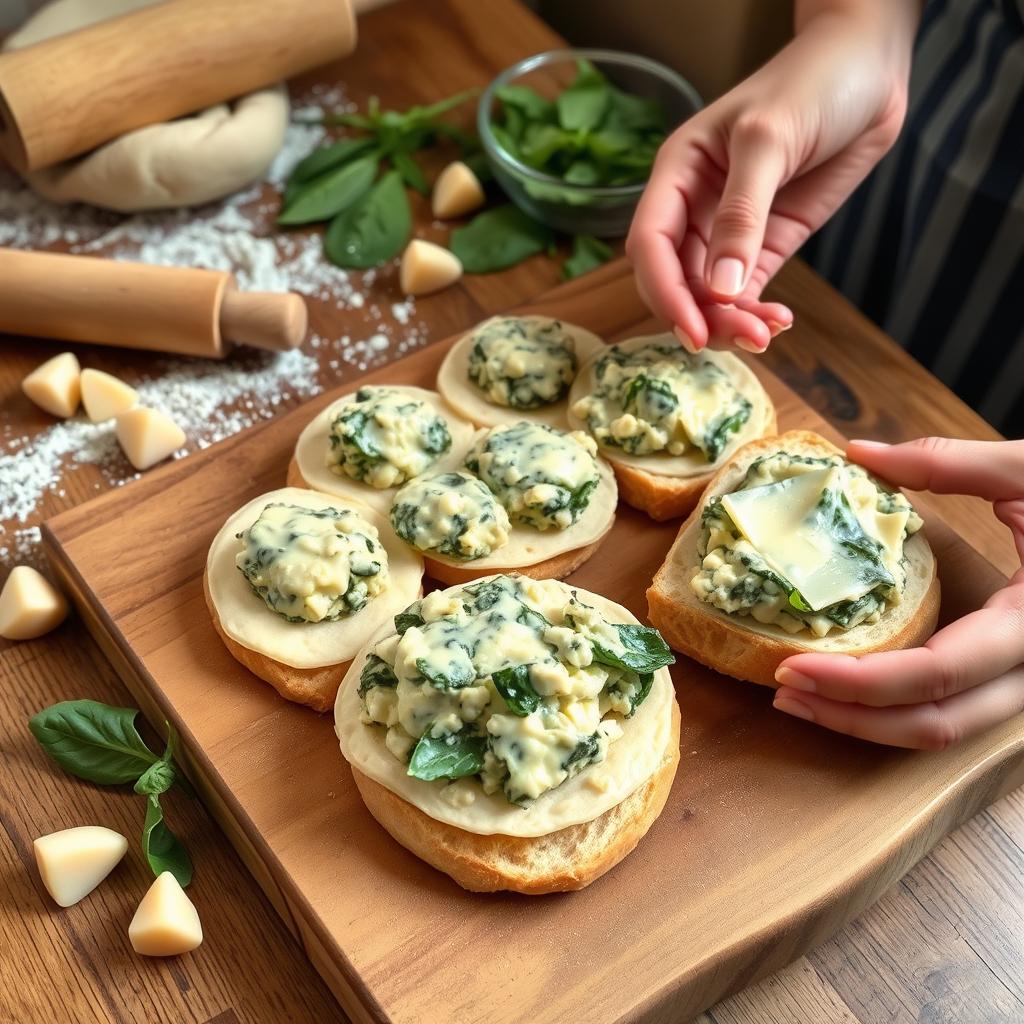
(55, 386)
(778, 520)
(29, 605)
(456, 191)
(73, 862)
(166, 923)
(148, 436)
(105, 396)
(427, 268)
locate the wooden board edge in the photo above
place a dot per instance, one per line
(328, 959)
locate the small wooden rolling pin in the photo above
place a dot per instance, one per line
(66, 95)
(134, 305)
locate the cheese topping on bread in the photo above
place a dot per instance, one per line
(315, 464)
(451, 514)
(312, 565)
(248, 619)
(660, 398)
(522, 362)
(806, 543)
(384, 436)
(517, 684)
(543, 477)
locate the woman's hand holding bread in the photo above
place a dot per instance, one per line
(968, 676)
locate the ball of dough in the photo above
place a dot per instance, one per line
(186, 162)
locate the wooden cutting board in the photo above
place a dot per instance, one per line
(776, 833)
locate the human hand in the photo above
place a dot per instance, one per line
(969, 675)
(741, 185)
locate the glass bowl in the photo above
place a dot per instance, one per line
(603, 210)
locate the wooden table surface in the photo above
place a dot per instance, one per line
(945, 944)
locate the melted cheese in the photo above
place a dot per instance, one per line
(313, 445)
(466, 396)
(628, 761)
(247, 620)
(670, 452)
(542, 476)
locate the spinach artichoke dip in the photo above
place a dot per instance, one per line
(383, 437)
(501, 692)
(452, 514)
(312, 565)
(805, 543)
(374, 440)
(658, 398)
(301, 578)
(522, 363)
(543, 477)
(513, 364)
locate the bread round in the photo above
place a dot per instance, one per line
(570, 858)
(304, 662)
(469, 401)
(740, 646)
(664, 486)
(564, 839)
(308, 466)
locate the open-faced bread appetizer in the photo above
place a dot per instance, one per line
(515, 733)
(666, 419)
(531, 498)
(511, 368)
(297, 580)
(795, 549)
(367, 444)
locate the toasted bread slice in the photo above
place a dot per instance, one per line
(740, 646)
(314, 687)
(570, 858)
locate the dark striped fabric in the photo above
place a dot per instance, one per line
(931, 246)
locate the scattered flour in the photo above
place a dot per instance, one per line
(211, 400)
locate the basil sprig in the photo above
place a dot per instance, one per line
(99, 743)
(373, 229)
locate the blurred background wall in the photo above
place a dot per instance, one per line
(713, 43)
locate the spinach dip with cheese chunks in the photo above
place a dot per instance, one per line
(522, 363)
(452, 514)
(477, 682)
(805, 543)
(384, 437)
(312, 565)
(658, 398)
(543, 477)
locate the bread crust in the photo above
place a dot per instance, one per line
(741, 647)
(570, 858)
(315, 687)
(668, 497)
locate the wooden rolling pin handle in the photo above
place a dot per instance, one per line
(267, 320)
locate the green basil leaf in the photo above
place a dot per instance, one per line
(588, 253)
(376, 672)
(410, 171)
(161, 847)
(584, 103)
(516, 690)
(407, 619)
(453, 756)
(529, 104)
(331, 193)
(499, 238)
(327, 158)
(644, 650)
(94, 741)
(796, 599)
(540, 143)
(627, 112)
(374, 229)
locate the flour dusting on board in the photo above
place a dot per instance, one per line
(210, 400)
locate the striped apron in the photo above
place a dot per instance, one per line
(931, 246)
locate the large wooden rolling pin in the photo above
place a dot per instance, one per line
(134, 305)
(66, 95)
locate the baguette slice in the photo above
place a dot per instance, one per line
(570, 858)
(742, 647)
